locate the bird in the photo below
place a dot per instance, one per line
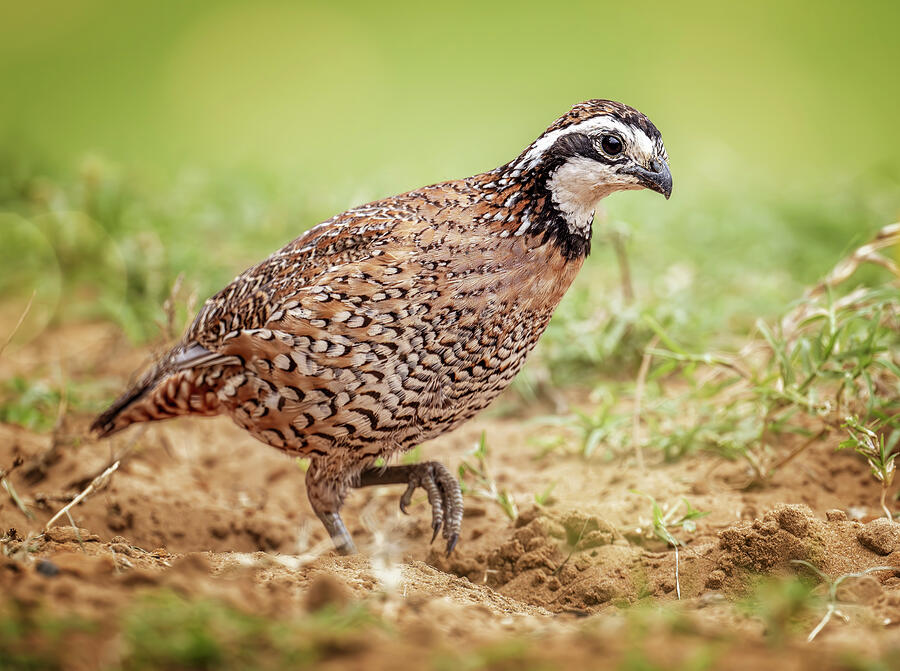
(396, 321)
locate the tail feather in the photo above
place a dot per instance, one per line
(114, 418)
(179, 384)
(160, 394)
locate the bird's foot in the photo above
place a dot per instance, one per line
(442, 489)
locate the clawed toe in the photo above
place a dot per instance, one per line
(442, 489)
(444, 497)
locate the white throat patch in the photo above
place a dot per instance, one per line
(577, 188)
(580, 183)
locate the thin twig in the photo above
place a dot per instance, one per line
(61, 410)
(887, 511)
(624, 267)
(677, 580)
(832, 608)
(638, 398)
(7, 485)
(19, 323)
(77, 531)
(99, 481)
(96, 483)
(784, 460)
(169, 307)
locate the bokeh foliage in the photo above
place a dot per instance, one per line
(140, 142)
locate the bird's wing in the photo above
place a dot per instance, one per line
(288, 276)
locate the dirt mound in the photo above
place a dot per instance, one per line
(572, 562)
(791, 533)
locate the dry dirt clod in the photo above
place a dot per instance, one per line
(70, 535)
(326, 590)
(715, 579)
(836, 515)
(84, 566)
(795, 520)
(192, 565)
(787, 533)
(881, 536)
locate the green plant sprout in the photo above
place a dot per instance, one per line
(829, 357)
(546, 496)
(603, 426)
(833, 608)
(665, 518)
(876, 451)
(482, 484)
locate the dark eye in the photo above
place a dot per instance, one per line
(612, 144)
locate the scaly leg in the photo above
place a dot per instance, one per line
(343, 543)
(442, 488)
(326, 496)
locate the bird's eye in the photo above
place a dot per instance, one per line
(612, 145)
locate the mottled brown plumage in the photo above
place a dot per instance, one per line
(396, 321)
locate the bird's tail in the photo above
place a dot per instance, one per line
(161, 393)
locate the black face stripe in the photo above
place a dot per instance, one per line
(574, 144)
(580, 144)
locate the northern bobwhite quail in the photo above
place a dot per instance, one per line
(394, 322)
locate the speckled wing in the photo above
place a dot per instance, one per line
(330, 335)
(249, 300)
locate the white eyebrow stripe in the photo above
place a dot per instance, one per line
(645, 145)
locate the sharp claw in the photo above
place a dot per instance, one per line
(453, 508)
(407, 497)
(443, 492)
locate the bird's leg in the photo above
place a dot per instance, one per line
(326, 496)
(442, 489)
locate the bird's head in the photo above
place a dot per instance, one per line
(596, 148)
(606, 146)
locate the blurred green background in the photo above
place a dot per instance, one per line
(144, 140)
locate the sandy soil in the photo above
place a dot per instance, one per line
(202, 508)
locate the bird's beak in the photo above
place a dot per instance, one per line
(655, 177)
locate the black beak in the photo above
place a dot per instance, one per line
(656, 177)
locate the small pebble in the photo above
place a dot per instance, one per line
(47, 568)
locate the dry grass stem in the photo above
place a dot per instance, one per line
(96, 484)
(888, 236)
(833, 609)
(639, 386)
(7, 485)
(169, 307)
(19, 323)
(618, 243)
